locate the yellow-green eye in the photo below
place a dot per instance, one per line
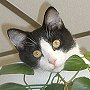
(37, 53)
(56, 43)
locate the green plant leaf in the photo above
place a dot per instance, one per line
(18, 68)
(55, 86)
(12, 86)
(87, 55)
(81, 83)
(75, 63)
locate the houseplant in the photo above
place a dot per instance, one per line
(74, 63)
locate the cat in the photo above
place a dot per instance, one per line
(47, 47)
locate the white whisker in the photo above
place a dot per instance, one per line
(47, 32)
(52, 33)
(32, 40)
(28, 43)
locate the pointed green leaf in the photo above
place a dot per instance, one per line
(55, 86)
(81, 83)
(12, 86)
(75, 63)
(18, 68)
(87, 55)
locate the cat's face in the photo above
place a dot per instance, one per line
(47, 47)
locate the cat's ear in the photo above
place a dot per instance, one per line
(17, 37)
(52, 19)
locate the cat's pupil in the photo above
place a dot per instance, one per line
(37, 53)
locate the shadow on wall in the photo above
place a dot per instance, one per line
(9, 59)
(7, 26)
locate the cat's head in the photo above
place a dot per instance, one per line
(47, 47)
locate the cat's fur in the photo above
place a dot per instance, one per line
(41, 39)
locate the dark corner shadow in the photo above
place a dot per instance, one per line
(7, 26)
(42, 10)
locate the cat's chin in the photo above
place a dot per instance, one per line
(55, 69)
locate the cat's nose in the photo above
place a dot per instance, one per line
(53, 61)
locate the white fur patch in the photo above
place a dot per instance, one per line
(58, 55)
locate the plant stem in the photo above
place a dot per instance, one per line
(58, 79)
(37, 85)
(26, 82)
(65, 87)
(73, 77)
(61, 78)
(36, 88)
(53, 78)
(48, 80)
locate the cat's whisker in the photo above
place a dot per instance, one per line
(52, 33)
(28, 43)
(32, 40)
(47, 32)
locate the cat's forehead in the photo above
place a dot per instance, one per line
(46, 34)
(38, 34)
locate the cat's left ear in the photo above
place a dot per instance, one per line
(17, 37)
(52, 19)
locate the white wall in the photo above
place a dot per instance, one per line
(75, 14)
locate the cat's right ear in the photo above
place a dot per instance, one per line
(52, 19)
(17, 37)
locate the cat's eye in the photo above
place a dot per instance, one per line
(56, 43)
(37, 53)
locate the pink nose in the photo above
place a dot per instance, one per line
(52, 62)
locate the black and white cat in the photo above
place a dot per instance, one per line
(49, 46)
